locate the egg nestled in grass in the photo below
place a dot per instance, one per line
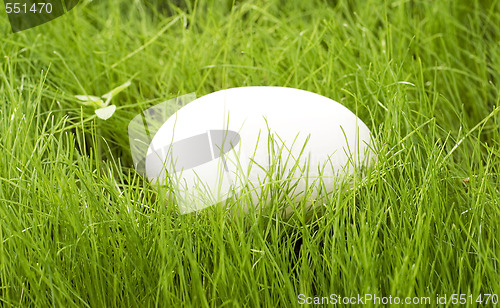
(227, 140)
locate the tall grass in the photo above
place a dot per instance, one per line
(80, 228)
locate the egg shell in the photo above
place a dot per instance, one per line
(226, 140)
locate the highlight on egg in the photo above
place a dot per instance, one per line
(220, 143)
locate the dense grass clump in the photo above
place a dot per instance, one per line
(79, 227)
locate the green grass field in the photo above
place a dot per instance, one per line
(80, 228)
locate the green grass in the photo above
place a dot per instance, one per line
(80, 228)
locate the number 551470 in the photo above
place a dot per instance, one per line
(36, 8)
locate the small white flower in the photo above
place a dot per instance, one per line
(103, 111)
(106, 112)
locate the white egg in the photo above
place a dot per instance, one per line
(221, 142)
